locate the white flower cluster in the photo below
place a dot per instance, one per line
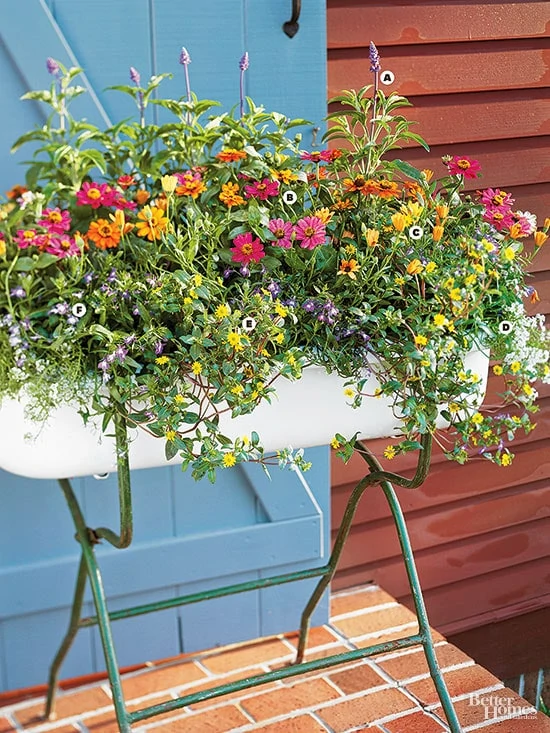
(529, 343)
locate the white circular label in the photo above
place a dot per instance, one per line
(416, 232)
(505, 327)
(248, 324)
(78, 310)
(289, 197)
(387, 77)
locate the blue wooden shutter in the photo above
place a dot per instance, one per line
(189, 535)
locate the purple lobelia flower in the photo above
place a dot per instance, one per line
(243, 66)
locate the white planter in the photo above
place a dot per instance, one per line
(303, 414)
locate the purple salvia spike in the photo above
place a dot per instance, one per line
(243, 66)
(135, 76)
(185, 58)
(244, 63)
(374, 58)
(52, 66)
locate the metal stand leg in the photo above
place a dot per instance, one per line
(89, 569)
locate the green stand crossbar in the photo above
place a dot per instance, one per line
(89, 570)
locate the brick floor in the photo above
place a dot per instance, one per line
(388, 693)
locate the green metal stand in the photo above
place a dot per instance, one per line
(89, 570)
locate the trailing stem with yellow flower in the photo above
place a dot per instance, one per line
(174, 273)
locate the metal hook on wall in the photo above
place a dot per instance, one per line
(292, 26)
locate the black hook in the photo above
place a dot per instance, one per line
(291, 26)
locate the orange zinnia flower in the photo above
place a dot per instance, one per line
(230, 195)
(349, 267)
(230, 155)
(104, 234)
(386, 189)
(142, 196)
(16, 192)
(152, 222)
(191, 187)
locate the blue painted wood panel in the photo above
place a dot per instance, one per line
(189, 536)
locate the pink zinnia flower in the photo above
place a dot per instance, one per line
(494, 198)
(316, 156)
(246, 249)
(310, 232)
(26, 238)
(55, 220)
(262, 189)
(527, 222)
(464, 166)
(95, 195)
(282, 231)
(63, 247)
(499, 219)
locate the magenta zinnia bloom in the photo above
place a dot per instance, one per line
(55, 220)
(310, 232)
(282, 231)
(494, 198)
(316, 156)
(464, 166)
(95, 195)
(63, 247)
(246, 249)
(499, 219)
(26, 238)
(262, 189)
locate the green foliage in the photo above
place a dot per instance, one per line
(172, 235)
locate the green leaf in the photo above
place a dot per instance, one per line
(408, 170)
(170, 450)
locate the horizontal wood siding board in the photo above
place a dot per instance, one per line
(460, 118)
(403, 23)
(502, 594)
(221, 554)
(445, 69)
(463, 559)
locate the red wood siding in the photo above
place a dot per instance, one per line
(478, 74)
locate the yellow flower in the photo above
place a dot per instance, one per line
(237, 389)
(197, 281)
(453, 408)
(442, 210)
(152, 222)
(279, 338)
(2, 248)
(399, 222)
(540, 238)
(334, 443)
(187, 300)
(509, 253)
(528, 390)
(437, 233)
(440, 320)
(413, 210)
(470, 279)
(286, 176)
(349, 392)
(505, 459)
(498, 370)
(390, 452)
(280, 310)
(420, 340)
(234, 339)
(449, 283)
(229, 460)
(245, 439)
(455, 294)
(399, 280)
(196, 367)
(430, 267)
(477, 419)
(414, 267)
(349, 268)
(515, 366)
(324, 214)
(162, 360)
(170, 435)
(222, 311)
(169, 184)
(372, 236)
(179, 399)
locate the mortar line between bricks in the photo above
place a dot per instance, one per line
(365, 611)
(389, 630)
(466, 695)
(426, 675)
(410, 650)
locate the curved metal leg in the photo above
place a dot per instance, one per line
(67, 642)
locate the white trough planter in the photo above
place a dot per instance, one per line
(303, 414)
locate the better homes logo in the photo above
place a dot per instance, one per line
(496, 707)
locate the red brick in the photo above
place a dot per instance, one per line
(473, 714)
(459, 681)
(370, 623)
(318, 636)
(362, 677)
(231, 695)
(246, 655)
(412, 664)
(364, 710)
(302, 724)
(6, 726)
(361, 598)
(289, 699)
(158, 680)
(417, 722)
(67, 705)
(219, 720)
